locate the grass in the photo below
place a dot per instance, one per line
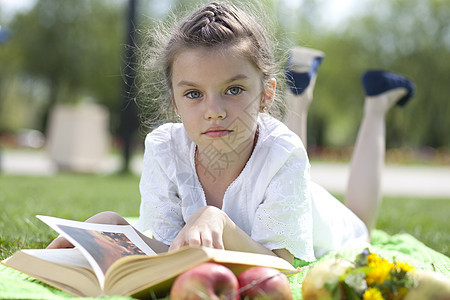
(77, 197)
(425, 219)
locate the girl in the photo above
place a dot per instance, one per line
(230, 176)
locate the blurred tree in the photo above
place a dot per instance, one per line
(128, 116)
(410, 37)
(74, 48)
(9, 63)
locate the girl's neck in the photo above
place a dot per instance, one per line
(216, 171)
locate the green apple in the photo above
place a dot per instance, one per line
(430, 285)
(313, 284)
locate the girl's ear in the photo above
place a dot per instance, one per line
(269, 94)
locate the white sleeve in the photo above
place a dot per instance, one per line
(160, 210)
(284, 219)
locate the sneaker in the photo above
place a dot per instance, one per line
(301, 66)
(376, 82)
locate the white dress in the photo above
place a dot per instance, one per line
(273, 199)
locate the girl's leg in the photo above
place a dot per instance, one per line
(363, 195)
(301, 73)
(298, 105)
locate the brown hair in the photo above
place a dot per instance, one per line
(215, 25)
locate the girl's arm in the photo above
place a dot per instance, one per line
(109, 217)
(211, 227)
(236, 239)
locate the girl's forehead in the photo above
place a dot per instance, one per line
(220, 52)
(219, 55)
(224, 59)
(208, 66)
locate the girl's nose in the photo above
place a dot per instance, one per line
(214, 108)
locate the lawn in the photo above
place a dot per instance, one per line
(75, 197)
(78, 197)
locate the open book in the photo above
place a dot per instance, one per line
(113, 260)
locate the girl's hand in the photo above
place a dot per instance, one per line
(209, 226)
(204, 228)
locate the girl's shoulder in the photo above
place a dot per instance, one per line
(277, 146)
(277, 136)
(167, 137)
(168, 150)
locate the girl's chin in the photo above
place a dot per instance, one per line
(216, 146)
(223, 145)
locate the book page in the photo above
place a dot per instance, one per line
(101, 244)
(66, 269)
(72, 256)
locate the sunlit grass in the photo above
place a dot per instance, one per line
(75, 197)
(426, 219)
(78, 197)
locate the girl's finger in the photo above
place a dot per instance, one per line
(175, 245)
(217, 241)
(206, 240)
(193, 239)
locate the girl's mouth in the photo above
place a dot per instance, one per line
(215, 132)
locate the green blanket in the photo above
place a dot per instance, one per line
(404, 247)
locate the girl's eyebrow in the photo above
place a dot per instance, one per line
(234, 78)
(237, 77)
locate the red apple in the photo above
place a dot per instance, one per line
(206, 281)
(264, 283)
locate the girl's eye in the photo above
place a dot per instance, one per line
(193, 94)
(234, 90)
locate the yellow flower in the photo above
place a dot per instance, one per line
(372, 294)
(372, 258)
(404, 266)
(375, 260)
(380, 270)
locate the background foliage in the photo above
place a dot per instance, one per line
(62, 51)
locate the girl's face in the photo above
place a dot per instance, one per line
(218, 95)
